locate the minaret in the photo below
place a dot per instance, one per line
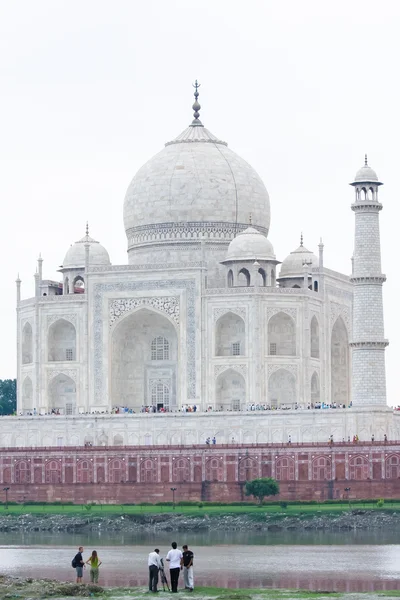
(368, 343)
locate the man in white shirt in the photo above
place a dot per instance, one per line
(154, 562)
(174, 557)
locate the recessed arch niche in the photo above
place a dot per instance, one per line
(230, 335)
(27, 344)
(62, 394)
(27, 394)
(230, 390)
(339, 363)
(282, 389)
(61, 341)
(136, 373)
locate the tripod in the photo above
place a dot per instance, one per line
(164, 579)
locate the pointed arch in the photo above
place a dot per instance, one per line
(27, 394)
(160, 348)
(61, 341)
(84, 471)
(321, 468)
(340, 373)
(284, 468)
(214, 469)
(78, 285)
(148, 471)
(62, 394)
(230, 390)
(314, 334)
(244, 277)
(22, 472)
(27, 344)
(282, 389)
(282, 335)
(358, 467)
(181, 470)
(144, 360)
(248, 469)
(52, 471)
(230, 335)
(230, 278)
(116, 471)
(315, 388)
(263, 277)
(273, 278)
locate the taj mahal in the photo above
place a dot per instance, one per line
(204, 315)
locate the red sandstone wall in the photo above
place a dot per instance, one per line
(213, 473)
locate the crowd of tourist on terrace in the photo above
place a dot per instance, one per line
(119, 410)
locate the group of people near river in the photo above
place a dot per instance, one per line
(177, 561)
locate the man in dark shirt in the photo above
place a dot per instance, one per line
(187, 563)
(79, 564)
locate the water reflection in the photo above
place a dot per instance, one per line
(206, 538)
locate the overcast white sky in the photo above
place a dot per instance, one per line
(90, 90)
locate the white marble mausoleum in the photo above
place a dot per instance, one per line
(204, 313)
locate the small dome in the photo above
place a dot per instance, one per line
(250, 244)
(75, 256)
(292, 266)
(366, 174)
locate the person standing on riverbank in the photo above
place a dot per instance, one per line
(79, 564)
(187, 562)
(155, 564)
(174, 557)
(94, 562)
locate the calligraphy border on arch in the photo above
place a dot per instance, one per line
(145, 286)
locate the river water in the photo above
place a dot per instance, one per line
(352, 561)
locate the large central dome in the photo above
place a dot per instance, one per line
(195, 188)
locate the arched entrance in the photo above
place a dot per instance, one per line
(27, 395)
(62, 394)
(144, 362)
(339, 363)
(230, 393)
(282, 389)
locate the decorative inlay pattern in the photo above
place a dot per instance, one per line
(166, 304)
(339, 310)
(72, 373)
(147, 267)
(242, 369)
(70, 317)
(185, 231)
(275, 367)
(343, 294)
(99, 289)
(238, 310)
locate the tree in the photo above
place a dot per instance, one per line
(8, 396)
(259, 488)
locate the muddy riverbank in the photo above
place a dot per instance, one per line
(349, 520)
(33, 589)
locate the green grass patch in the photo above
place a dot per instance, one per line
(295, 509)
